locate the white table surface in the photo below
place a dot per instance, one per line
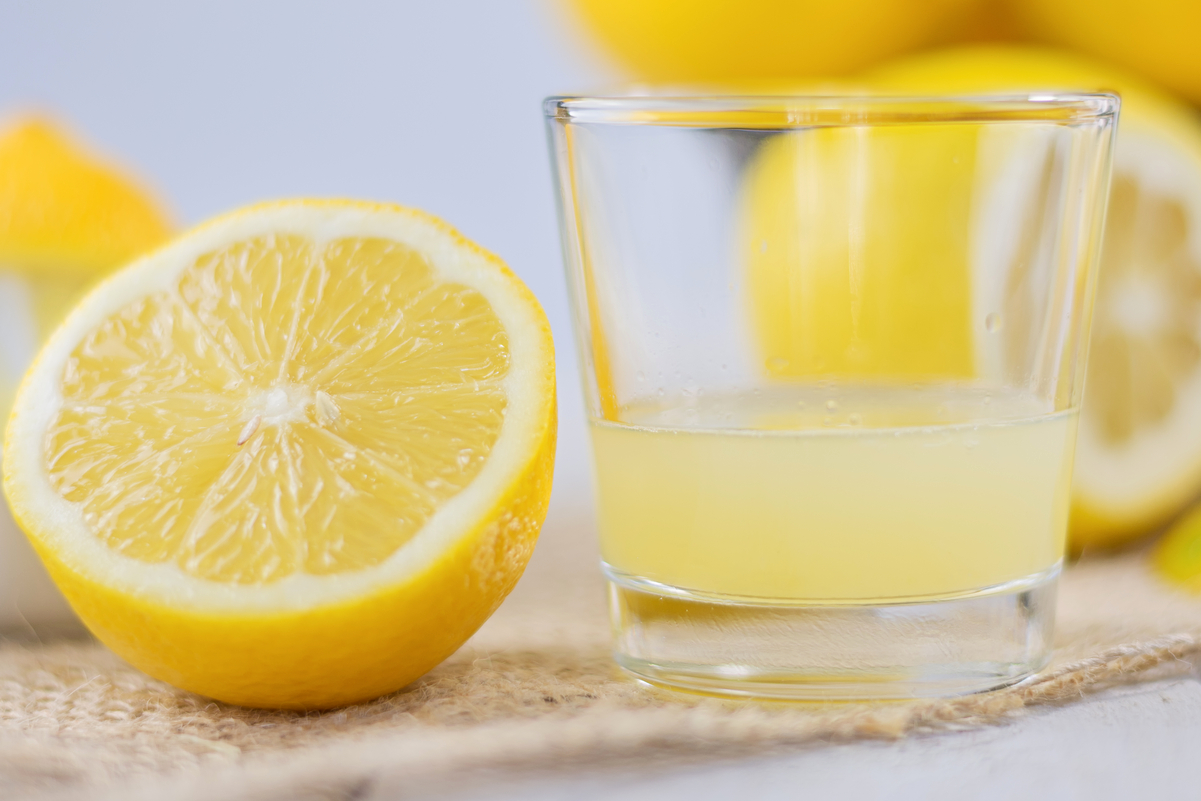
(1134, 743)
(1137, 742)
(437, 105)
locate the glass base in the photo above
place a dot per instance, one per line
(885, 650)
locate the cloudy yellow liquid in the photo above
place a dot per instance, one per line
(874, 496)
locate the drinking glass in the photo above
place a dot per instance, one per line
(833, 351)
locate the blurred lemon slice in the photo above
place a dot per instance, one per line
(294, 458)
(1138, 459)
(65, 218)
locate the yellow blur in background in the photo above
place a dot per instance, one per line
(1139, 457)
(832, 298)
(728, 41)
(66, 218)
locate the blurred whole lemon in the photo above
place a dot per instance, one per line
(1158, 38)
(1138, 458)
(725, 41)
(834, 296)
(66, 218)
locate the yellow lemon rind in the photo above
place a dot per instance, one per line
(392, 622)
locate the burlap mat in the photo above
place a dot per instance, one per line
(534, 688)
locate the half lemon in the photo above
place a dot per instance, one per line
(294, 458)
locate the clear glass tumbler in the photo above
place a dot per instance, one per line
(833, 351)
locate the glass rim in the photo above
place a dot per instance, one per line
(833, 110)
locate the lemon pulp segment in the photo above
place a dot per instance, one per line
(1145, 337)
(285, 407)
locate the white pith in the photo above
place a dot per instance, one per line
(61, 526)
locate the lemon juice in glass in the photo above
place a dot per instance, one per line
(833, 354)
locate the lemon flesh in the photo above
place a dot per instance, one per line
(1138, 457)
(310, 442)
(275, 425)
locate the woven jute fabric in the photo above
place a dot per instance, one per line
(534, 688)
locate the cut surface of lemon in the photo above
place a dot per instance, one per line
(294, 458)
(1138, 457)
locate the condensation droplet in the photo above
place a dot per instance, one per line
(660, 393)
(855, 419)
(987, 399)
(641, 376)
(993, 322)
(831, 405)
(827, 421)
(763, 246)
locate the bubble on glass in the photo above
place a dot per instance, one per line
(855, 419)
(641, 376)
(777, 363)
(993, 322)
(831, 405)
(660, 392)
(763, 246)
